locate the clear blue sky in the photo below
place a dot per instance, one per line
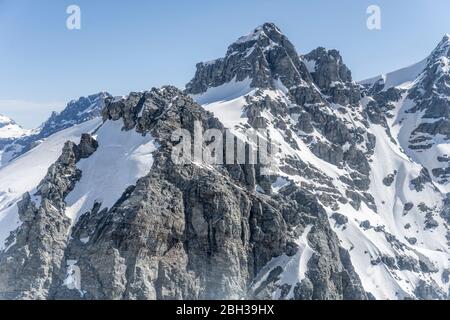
(137, 44)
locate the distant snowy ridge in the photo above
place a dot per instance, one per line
(76, 112)
(11, 130)
(399, 78)
(394, 224)
(404, 77)
(354, 205)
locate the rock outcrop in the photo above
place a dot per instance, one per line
(343, 209)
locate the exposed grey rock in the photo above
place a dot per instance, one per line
(408, 263)
(333, 77)
(389, 179)
(182, 232)
(429, 291)
(28, 267)
(191, 232)
(332, 154)
(88, 145)
(446, 275)
(329, 67)
(419, 182)
(389, 261)
(309, 106)
(262, 56)
(445, 213)
(304, 290)
(430, 222)
(76, 112)
(365, 224)
(427, 266)
(408, 206)
(269, 283)
(339, 218)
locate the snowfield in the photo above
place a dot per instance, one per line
(9, 129)
(120, 160)
(355, 151)
(24, 173)
(363, 244)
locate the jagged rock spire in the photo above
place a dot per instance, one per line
(328, 67)
(441, 50)
(263, 56)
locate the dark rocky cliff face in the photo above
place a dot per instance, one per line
(262, 56)
(182, 232)
(244, 230)
(312, 100)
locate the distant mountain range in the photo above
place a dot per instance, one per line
(355, 203)
(15, 140)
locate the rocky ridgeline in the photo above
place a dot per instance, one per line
(262, 56)
(332, 115)
(76, 112)
(198, 231)
(36, 249)
(9, 131)
(182, 232)
(428, 94)
(271, 61)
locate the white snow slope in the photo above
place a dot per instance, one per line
(24, 173)
(9, 129)
(120, 160)
(400, 78)
(365, 245)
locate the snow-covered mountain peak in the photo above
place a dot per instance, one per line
(9, 129)
(265, 58)
(341, 143)
(415, 100)
(262, 39)
(437, 62)
(266, 30)
(442, 49)
(349, 208)
(76, 111)
(4, 120)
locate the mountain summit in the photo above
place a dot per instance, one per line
(406, 76)
(416, 102)
(353, 204)
(260, 58)
(9, 129)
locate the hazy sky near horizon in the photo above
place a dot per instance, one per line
(138, 44)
